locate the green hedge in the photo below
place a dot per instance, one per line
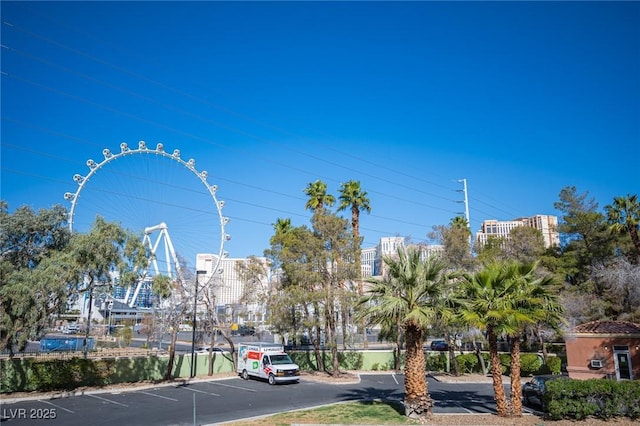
(601, 398)
(553, 366)
(54, 374)
(436, 362)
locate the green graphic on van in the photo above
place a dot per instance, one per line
(255, 365)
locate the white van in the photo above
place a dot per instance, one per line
(266, 361)
(71, 328)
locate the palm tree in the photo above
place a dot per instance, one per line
(624, 216)
(504, 298)
(534, 300)
(282, 226)
(353, 197)
(486, 310)
(318, 197)
(460, 222)
(408, 296)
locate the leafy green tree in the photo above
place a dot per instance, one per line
(334, 262)
(587, 245)
(106, 249)
(623, 216)
(43, 267)
(296, 304)
(175, 301)
(318, 197)
(415, 283)
(586, 239)
(34, 272)
(491, 251)
(455, 239)
(525, 244)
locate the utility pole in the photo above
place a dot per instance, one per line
(193, 334)
(466, 206)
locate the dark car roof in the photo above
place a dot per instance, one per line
(546, 377)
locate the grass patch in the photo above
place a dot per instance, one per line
(351, 413)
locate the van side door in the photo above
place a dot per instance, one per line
(266, 366)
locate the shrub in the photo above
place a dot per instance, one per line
(579, 399)
(468, 363)
(553, 366)
(529, 364)
(436, 362)
(505, 363)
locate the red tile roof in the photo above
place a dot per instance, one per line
(608, 327)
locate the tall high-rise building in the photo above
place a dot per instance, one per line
(227, 286)
(368, 261)
(547, 225)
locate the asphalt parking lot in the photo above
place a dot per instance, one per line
(217, 401)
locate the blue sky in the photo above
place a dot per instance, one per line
(521, 99)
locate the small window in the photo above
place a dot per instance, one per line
(596, 363)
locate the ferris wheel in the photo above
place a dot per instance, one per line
(142, 187)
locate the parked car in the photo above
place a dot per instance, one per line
(533, 391)
(244, 330)
(439, 345)
(205, 349)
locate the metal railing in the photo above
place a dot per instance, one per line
(96, 353)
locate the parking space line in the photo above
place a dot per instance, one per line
(57, 406)
(198, 390)
(231, 386)
(107, 400)
(158, 396)
(463, 407)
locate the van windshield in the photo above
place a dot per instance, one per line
(280, 359)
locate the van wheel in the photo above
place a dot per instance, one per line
(245, 375)
(272, 379)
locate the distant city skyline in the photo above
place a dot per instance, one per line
(521, 99)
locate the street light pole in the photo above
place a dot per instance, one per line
(193, 334)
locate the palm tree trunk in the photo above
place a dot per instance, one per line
(516, 385)
(417, 402)
(502, 408)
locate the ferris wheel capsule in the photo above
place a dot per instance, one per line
(124, 147)
(142, 145)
